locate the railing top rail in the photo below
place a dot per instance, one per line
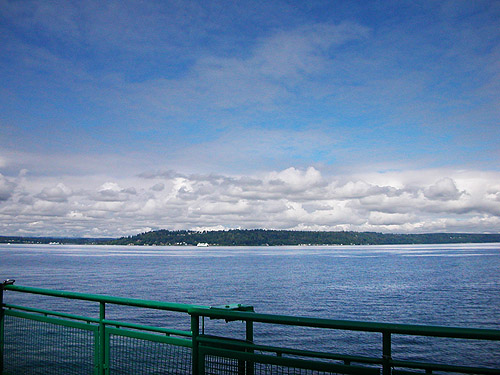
(179, 307)
(408, 329)
(405, 329)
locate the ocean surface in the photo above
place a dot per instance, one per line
(447, 285)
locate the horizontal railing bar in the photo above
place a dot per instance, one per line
(52, 313)
(444, 367)
(404, 329)
(147, 328)
(50, 320)
(419, 330)
(290, 362)
(179, 307)
(149, 337)
(290, 351)
(95, 320)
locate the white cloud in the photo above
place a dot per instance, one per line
(6, 188)
(294, 180)
(362, 189)
(385, 219)
(58, 193)
(444, 189)
(293, 198)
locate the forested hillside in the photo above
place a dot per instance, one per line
(262, 237)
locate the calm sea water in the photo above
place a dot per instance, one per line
(454, 285)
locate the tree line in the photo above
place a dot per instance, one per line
(263, 237)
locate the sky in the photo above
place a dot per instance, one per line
(121, 117)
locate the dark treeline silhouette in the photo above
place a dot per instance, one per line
(55, 240)
(264, 237)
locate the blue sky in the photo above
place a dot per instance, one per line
(124, 116)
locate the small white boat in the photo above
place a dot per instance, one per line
(202, 244)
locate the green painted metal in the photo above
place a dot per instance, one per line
(249, 335)
(386, 329)
(166, 331)
(386, 353)
(179, 307)
(50, 313)
(430, 367)
(198, 353)
(101, 327)
(279, 351)
(290, 362)
(50, 320)
(3, 285)
(40, 347)
(350, 325)
(148, 336)
(196, 368)
(103, 343)
(146, 353)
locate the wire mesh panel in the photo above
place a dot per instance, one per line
(218, 361)
(265, 368)
(215, 365)
(33, 346)
(147, 354)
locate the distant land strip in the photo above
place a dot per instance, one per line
(262, 237)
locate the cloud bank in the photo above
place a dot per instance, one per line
(302, 199)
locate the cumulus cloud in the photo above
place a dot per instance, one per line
(6, 188)
(112, 192)
(58, 193)
(292, 198)
(294, 180)
(362, 189)
(444, 189)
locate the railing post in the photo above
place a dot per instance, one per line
(195, 355)
(386, 353)
(2, 314)
(249, 338)
(103, 351)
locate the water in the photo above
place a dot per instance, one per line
(453, 285)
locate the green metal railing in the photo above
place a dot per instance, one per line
(36, 341)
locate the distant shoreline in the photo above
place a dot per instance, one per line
(263, 237)
(249, 246)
